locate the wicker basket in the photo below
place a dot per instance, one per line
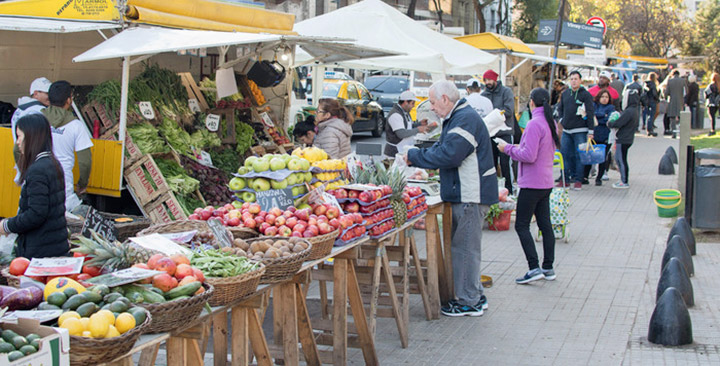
(12, 281)
(240, 232)
(93, 351)
(282, 269)
(231, 289)
(176, 314)
(322, 245)
(178, 227)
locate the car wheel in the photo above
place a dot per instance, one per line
(379, 125)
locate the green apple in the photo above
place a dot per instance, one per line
(243, 170)
(303, 189)
(260, 166)
(237, 184)
(296, 191)
(237, 204)
(303, 206)
(292, 179)
(308, 177)
(277, 164)
(248, 197)
(249, 161)
(305, 164)
(278, 184)
(261, 184)
(295, 164)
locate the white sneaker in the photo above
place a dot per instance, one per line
(605, 177)
(620, 185)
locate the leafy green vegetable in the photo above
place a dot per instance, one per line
(226, 160)
(204, 139)
(244, 135)
(176, 136)
(189, 203)
(146, 137)
(176, 177)
(107, 93)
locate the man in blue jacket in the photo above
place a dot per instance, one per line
(468, 180)
(577, 111)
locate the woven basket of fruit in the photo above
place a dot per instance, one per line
(204, 235)
(183, 305)
(233, 276)
(322, 245)
(12, 281)
(281, 256)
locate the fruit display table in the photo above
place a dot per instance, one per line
(438, 263)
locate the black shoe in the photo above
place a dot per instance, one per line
(585, 181)
(598, 182)
(711, 133)
(674, 135)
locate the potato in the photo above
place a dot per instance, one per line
(272, 254)
(297, 248)
(227, 250)
(286, 254)
(295, 240)
(277, 245)
(239, 243)
(255, 247)
(240, 252)
(303, 244)
(285, 250)
(264, 246)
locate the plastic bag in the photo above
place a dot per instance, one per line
(591, 153)
(7, 243)
(399, 164)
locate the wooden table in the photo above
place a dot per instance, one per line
(438, 263)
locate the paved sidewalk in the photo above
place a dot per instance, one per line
(598, 309)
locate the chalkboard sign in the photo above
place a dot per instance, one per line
(221, 233)
(97, 222)
(280, 198)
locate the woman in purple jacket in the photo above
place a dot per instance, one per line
(535, 155)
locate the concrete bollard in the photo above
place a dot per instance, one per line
(670, 152)
(682, 228)
(666, 166)
(677, 248)
(674, 275)
(670, 324)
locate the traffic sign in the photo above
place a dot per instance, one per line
(572, 33)
(598, 22)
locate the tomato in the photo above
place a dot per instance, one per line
(83, 277)
(38, 278)
(92, 271)
(78, 255)
(18, 266)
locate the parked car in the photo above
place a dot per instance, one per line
(387, 89)
(356, 97)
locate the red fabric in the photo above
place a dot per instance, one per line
(596, 89)
(490, 75)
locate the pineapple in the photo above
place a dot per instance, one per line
(110, 256)
(397, 183)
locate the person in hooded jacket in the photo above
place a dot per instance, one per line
(35, 103)
(40, 223)
(626, 126)
(70, 137)
(334, 123)
(502, 98)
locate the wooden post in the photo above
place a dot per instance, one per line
(240, 337)
(449, 284)
(420, 278)
(339, 316)
(431, 245)
(289, 323)
(356, 306)
(176, 355)
(220, 339)
(307, 338)
(257, 340)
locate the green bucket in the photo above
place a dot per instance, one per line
(667, 201)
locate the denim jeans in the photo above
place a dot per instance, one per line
(466, 250)
(648, 116)
(573, 167)
(621, 153)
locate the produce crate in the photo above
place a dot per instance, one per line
(54, 344)
(193, 90)
(165, 209)
(132, 151)
(95, 111)
(246, 91)
(146, 190)
(228, 136)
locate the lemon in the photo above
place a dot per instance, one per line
(98, 325)
(125, 322)
(87, 334)
(65, 316)
(108, 315)
(112, 332)
(73, 325)
(85, 323)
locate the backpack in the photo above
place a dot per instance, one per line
(644, 98)
(6, 112)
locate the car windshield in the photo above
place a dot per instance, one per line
(330, 90)
(387, 85)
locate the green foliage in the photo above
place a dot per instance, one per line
(525, 26)
(704, 141)
(703, 36)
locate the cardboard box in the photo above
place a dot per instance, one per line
(160, 210)
(146, 190)
(54, 344)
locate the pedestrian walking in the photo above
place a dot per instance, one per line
(651, 97)
(575, 105)
(535, 155)
(675, 91)
(468, 181)
(712, 99)
(691, 98)
(626, 126)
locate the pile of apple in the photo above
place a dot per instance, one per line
(415, 201)
(277, 137)
(383, 227)
(247, 181)
(364, 202)
(353, 228)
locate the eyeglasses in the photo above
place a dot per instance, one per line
(320, 111)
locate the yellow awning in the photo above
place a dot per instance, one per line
(652, 60)
(209, 15)
(62, 9)
(493, 41)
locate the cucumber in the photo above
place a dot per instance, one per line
(183, 297)
(184, 290)
(87, 309)
(75, 301)
(150, 297)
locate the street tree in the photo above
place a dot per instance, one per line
(651, 27)
(530, 12)
(703, 38)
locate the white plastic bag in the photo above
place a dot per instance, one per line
(7, 243)
(399, 163)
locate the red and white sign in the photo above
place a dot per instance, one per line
(54, 266)
(598, 22)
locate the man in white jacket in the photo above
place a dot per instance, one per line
(35, 103)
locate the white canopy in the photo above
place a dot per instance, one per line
(25, 24)
(375, 24)
(566, 62)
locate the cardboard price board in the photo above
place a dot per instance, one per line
(212, 122)
(98, 223)
(221, 233)
(280, 198)
(54, 266)
(39, 315)
(123, 277)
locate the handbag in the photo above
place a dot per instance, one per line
(592, 153)
(662, 106)
(267, 73)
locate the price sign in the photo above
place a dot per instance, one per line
(212, 122)
(39, 315)
(194, 105)
(280, 198)
(97, 222)
(54, 266)
(220, 232)
(147, 110)
(124, 276)
(205, 159)
(266, 119)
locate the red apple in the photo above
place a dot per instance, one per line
(341, 193)
(288, 214)
(320, 210)
(250, 223)
(312, 221)
(254, 208)
(302, 222)
(259, 220)
(365, 196)
(332, 212)
(352, 207)
(292, 209)
(262, 214)
(297, 234)
(270, 219)
(314, 229)
(303, 214)
(205, 214)
(299, 227)
(235, 221)
(276, 211)
(346, 221)
(197, 211)
(284, 231)
(308, 234)
(291, 222)
(335, 223)
(245, 205)
(194, 217)
(353, 194)
(324, 228)
(280, 221)
(271, 231)
(347, 236)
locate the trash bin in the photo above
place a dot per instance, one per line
(699, 117)
(706, 190)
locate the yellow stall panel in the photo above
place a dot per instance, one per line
(9, 191)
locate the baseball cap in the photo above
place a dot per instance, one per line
(604, 74)
(407, 95)
(473, 83)
(40, 84)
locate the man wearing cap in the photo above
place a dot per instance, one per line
(35, 103)
(480, 104)
(400, 128)
(604, 83)
(502, 98)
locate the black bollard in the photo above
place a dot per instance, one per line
(670, 324)
(682, 228)
(666, 166)
(670, 152)
(674, 275)
(677, 248)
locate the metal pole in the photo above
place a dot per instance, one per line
(558, 31)
(125, 81)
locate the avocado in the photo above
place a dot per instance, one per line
(69, 292)
(19, 341)
(92, 296)
(87, 309)
(57, 298)
(27, 349)
(118, 307)
(75, 301)
(31, 337)
(15, 355)
(101, 289)
(8, 335)
(7, 347)
(111, 297)
(35, 343)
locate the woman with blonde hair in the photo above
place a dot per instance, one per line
(334, 128)
(712, 99)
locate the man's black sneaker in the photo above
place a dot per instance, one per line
(456, 309)
(598, 182)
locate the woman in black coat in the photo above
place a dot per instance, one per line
(40, 222)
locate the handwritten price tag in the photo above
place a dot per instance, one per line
(212, 122)
(147, 110)
(266, 119)
(54, 266)
(194, 105)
